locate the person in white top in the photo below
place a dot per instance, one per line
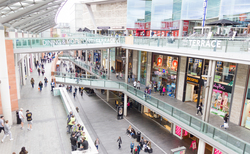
(21, 117)
(134, 84)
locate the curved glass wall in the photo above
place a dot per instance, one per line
(192, 9)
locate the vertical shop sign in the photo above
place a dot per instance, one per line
(216, 151)
(159, 60)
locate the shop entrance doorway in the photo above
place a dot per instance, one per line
(118, 66)
(191, 92)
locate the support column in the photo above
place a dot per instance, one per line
(107, 95)
(201, 147)
(139, 66)
(23, 71)
(19, 34)
(4, 78)
(149, 63)
(181, 77)
(126, 67)
(28, 65)
(125, 104)
(181, 28)
(108, 66)
(209, 90)
(31, 61)
(101, 58)
(135, 63)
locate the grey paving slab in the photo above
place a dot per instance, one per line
(49, 126)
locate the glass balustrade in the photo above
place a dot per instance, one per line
(217, 134)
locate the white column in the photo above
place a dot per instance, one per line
(31, 61)
(125, 105)
(201, 147)
(19, 34)
(108, 66)
(23, 71)
(209, 90)
(4, 78)
(25, 34)
(107, 95)
(101, 58)
(28, 64)
(181, 28)
(126, 68)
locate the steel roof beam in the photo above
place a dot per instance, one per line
(38, 26)
(44, 28)
(21, 13)
(16, 24)
(9, 2)
(35, 25)
(34, 22)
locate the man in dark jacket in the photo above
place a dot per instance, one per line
(73, 141)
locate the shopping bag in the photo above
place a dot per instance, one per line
(38, 88)
(225, 125)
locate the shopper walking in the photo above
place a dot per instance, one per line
(43, 72)
(29, 119)
(38, 70)
(199, 109)
(160, 89)
(32, 81)
(149, 93)
(7, 131)
(40, 85)
(163, 90)
(23, 151)
(225, 122)
(74, 94)
(132, 146)
(21, 117)
(138, 148)
(52, 85)
(45, 82)
(155, 86)
(138, 85)
(97, 143)
(1, 124)
(119, 140)
(121, 75)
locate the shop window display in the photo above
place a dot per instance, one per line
(246, 111)
(164, 72)
(222, 88)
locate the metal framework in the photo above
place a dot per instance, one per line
(30, 15)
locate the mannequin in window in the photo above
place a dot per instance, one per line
(225, 104)
(219, 102)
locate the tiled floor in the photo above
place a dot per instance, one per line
(49, 122)
(190, 108)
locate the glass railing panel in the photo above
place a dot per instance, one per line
(151, 100)
(165, 107)
(235, 144)
(220, 136)
(247, 149)
(131, 89)
(140, 94)
(208, 130)
(98, 83)
(182, 116)
(196, 123)
(110, 84)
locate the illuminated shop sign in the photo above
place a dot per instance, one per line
(194, 80)
(202, 43)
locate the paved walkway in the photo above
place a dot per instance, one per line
(100, 116)
(49, 122)
(190, 108)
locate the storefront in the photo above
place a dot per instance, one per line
(193, 87)
(193, 140)
(164, 72)
(97, 56)
(246, 110)
(159, 119)
(105, 57)
(120, 60)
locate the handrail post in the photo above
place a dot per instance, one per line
(226, 45)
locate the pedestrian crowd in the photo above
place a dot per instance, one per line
(78, 139)
(143, 144)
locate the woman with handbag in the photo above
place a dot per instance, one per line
(225, 121)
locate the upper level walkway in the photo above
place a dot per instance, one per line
(171, 106)
(221, 49)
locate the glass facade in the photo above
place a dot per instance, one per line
(164, 72)
(246, 110)
(166, 15)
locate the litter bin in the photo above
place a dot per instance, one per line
(18, 120)
(138, 136)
